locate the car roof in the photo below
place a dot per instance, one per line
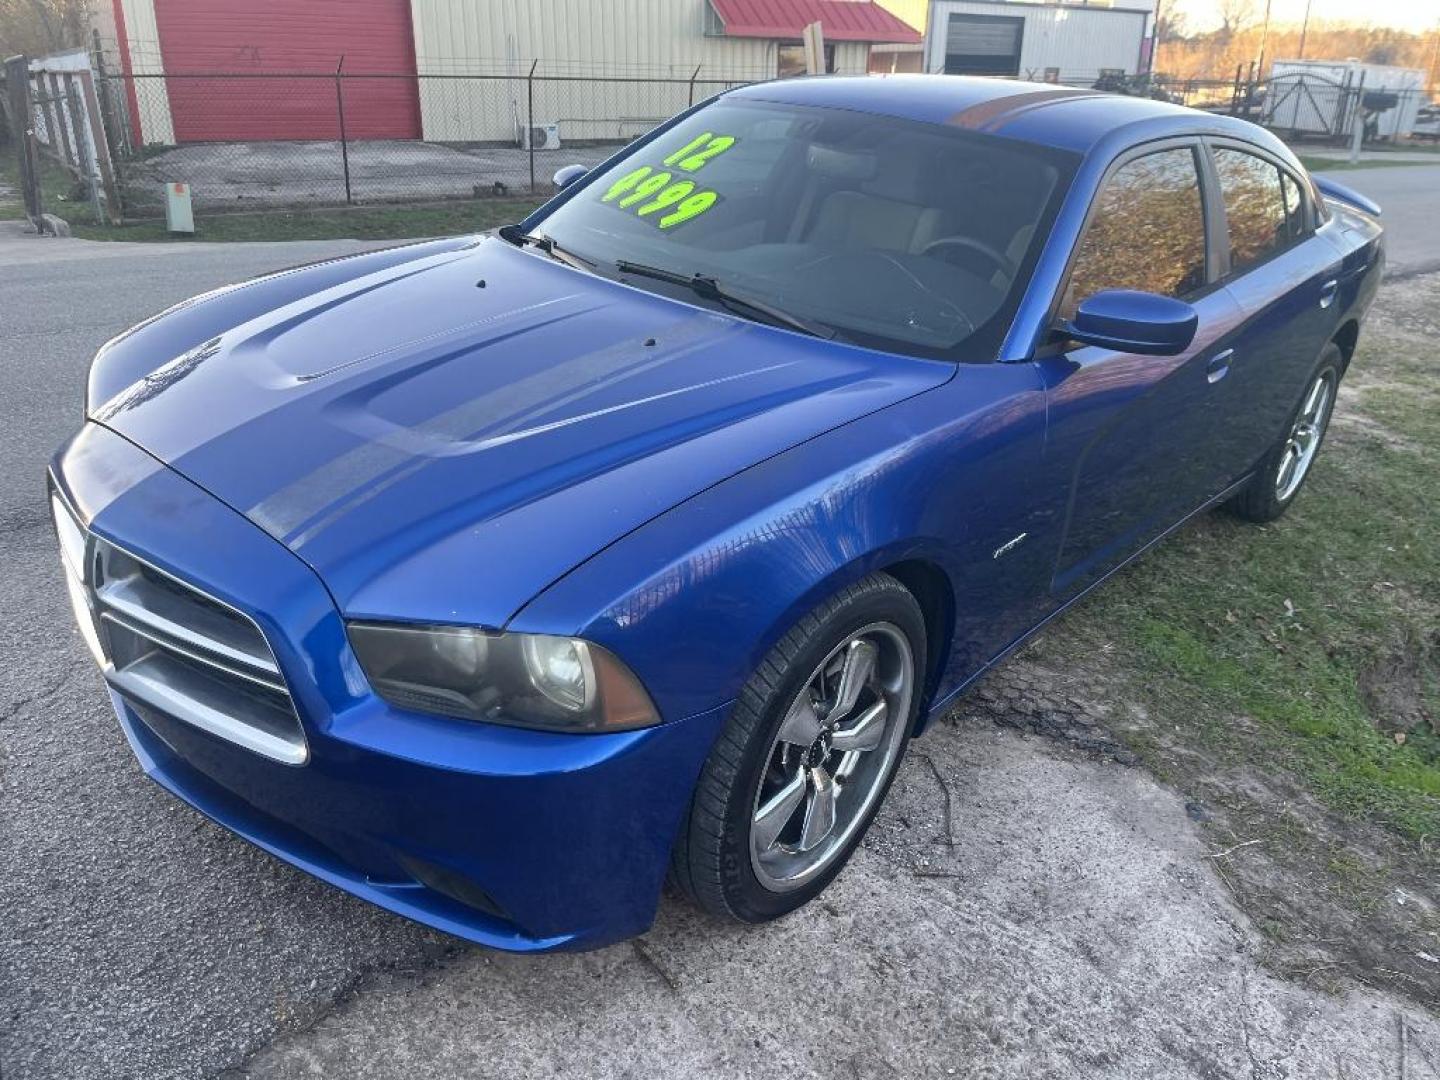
(1068, 118)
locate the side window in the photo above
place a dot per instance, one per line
(1255, 206)
(1146, 232)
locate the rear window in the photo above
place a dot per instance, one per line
(1257, 217)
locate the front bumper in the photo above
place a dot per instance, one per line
(516, 839)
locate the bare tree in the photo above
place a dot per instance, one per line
(1171, 25)
(37, 27)
(1235, 17)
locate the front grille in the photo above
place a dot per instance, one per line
(166, 644)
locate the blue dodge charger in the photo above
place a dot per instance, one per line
(495, 580)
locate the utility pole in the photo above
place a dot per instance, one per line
(1264, 38)
(1155, 37)
(1304, 26)
(1435, 59)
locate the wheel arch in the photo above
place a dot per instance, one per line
(935, 594)
(917, 568)
(1347, 337)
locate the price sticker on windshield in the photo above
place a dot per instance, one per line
(666, 195)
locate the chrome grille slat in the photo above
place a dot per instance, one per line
(158, 681)
(160, 603)
(172, 647)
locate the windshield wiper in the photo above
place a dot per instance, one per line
(708, 288)
(512, 234)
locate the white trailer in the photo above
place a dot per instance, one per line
(1044, 42)
(1323, 97)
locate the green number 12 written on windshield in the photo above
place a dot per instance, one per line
(666, 197)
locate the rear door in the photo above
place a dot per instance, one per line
(1285, 280)
(1138, 441)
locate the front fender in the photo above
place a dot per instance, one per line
(695, 599)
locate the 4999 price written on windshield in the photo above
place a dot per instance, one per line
(666, 195)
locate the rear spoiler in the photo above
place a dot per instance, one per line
(1333, 190)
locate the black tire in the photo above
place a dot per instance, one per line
(711, 860)
(1261, 499)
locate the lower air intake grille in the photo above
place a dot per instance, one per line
(174, 648)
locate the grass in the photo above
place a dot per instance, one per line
(1257, 643)
(57, 188)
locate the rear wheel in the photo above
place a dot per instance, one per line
(806, 756)
(1283, 470)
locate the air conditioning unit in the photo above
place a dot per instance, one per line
(540, 137)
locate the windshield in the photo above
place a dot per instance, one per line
(894, 234)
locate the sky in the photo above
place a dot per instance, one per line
(1414, 15)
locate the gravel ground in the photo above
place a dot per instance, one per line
(1024, 907)
(250, 175)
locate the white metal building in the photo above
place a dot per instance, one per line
(570, 46)
(1039, 41)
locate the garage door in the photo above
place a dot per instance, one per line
(256, 42)
(983, 44)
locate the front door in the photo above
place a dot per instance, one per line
(1137, 441)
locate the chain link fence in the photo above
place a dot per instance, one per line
(256, 141)
(249, 141)
(1297, 105)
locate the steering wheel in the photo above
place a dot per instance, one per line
(1001, 261)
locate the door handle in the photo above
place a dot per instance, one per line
(1219, 365)
(1328, 292)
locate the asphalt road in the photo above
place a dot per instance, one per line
(1061, 920)
(1409, 195)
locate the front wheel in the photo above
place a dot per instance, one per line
(806, 757)
(1283, 470)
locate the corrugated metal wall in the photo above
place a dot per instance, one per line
(645, 41)
(151, 111)
(277, 37)
(630, 38)
(1080, 41)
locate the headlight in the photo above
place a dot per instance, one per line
(529, 680)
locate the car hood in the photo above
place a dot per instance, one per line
(443, 438)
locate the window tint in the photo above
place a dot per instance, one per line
(1147, 231)
(1254, 206)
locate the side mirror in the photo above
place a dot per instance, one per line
(563, 178)
(1134, 322)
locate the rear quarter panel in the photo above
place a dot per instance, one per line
(1359, 239)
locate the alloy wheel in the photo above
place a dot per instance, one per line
(1305, 436)
(831, 757)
